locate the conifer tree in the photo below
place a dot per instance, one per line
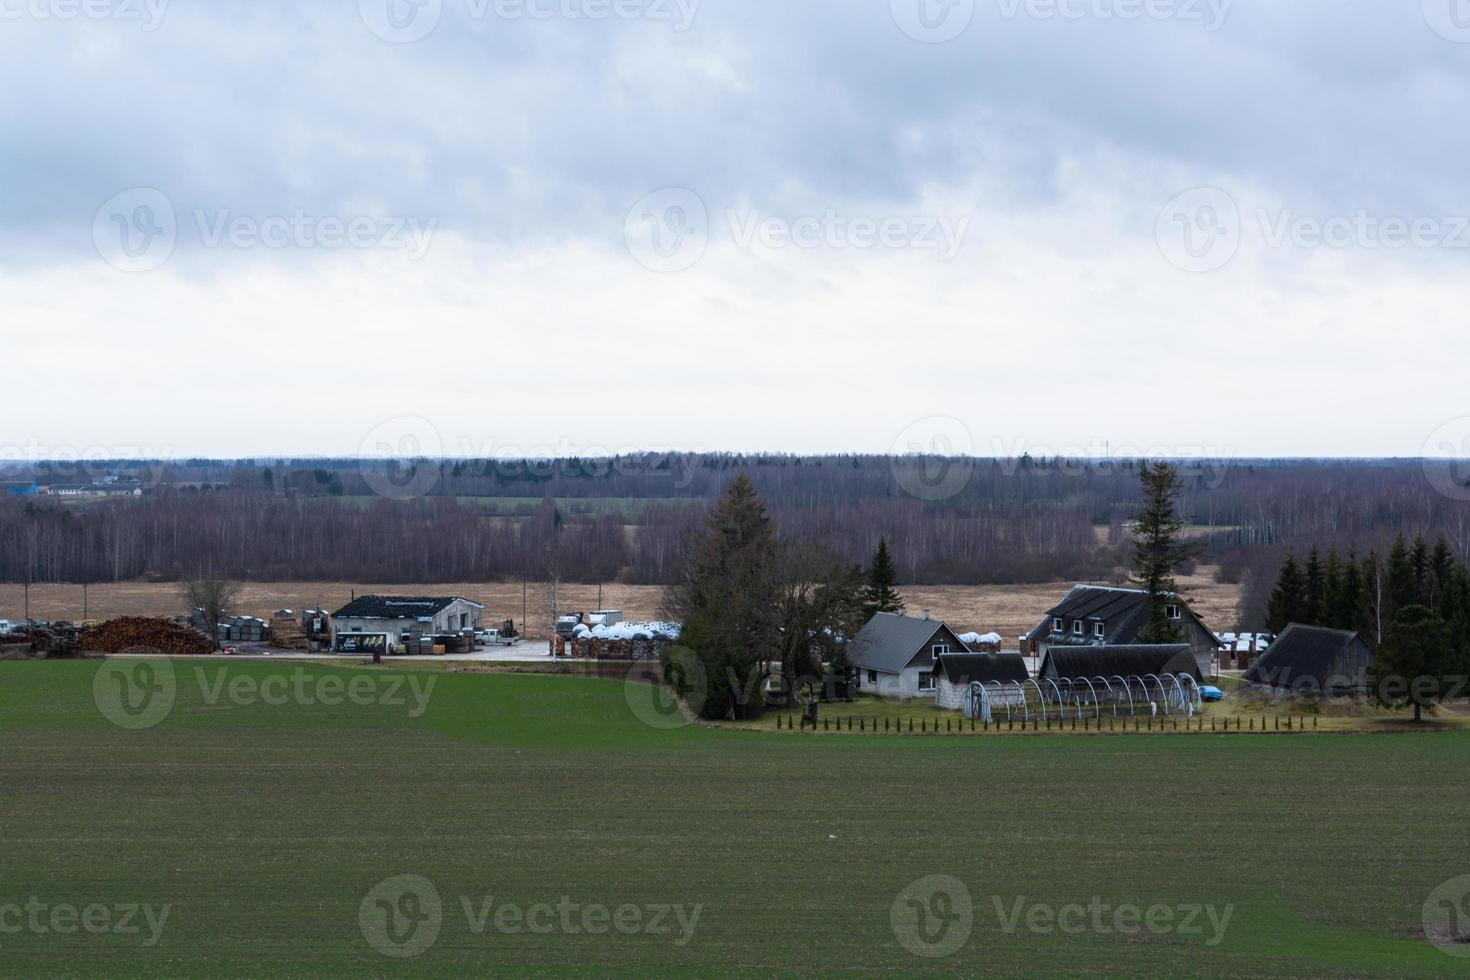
(1346, 613)
(1331, 590)
(1415, 663)
(1316, 588)
(1288, 602)
(1400, 583)
(880, 595)
(1159, 551)
(728, 603)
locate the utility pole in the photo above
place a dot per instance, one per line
(84, 601)
(28, 600)
(523, 602)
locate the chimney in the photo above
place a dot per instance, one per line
(926, 615)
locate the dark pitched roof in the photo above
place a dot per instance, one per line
(967, 668)
(396, 607)
(1306, 654)
(1105, 661)
(1124, 610)
(889, 641)
(1097, 602)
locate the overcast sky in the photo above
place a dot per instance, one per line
(482, 227)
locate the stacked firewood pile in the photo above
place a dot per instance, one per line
(133, 634)
(286, 631)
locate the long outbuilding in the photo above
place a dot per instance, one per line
(1313, 661)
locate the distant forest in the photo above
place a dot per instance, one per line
(947, 521)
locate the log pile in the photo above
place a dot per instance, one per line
(133, 634)
(286, 631)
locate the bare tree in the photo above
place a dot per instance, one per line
(211, 598)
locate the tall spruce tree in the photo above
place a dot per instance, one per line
(1288, 602)
(1316, 588)
(1331, 590)
(1400, 582)
(1346, 613)
(880, 595)
(728, 603)
(1441, 564)
(1158, 550)
(1372, 611)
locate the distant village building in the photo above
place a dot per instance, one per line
(1103, 616)
(1313, 661)
(111, 489)
(895, 654)
(375, 623)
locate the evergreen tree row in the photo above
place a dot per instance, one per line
(1367, 594)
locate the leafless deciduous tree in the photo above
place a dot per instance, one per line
(211, 598)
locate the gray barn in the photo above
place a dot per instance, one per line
(1313, 661)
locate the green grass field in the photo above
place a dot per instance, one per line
(265, 828)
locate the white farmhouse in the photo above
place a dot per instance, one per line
(895, 654)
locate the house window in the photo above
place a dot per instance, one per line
(1173, 611)
(939, 649)
(1057, 626)
(1097, 630)
(1077, 626)
(926, 680)
(872, 677)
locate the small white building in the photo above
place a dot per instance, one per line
(895, 654)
